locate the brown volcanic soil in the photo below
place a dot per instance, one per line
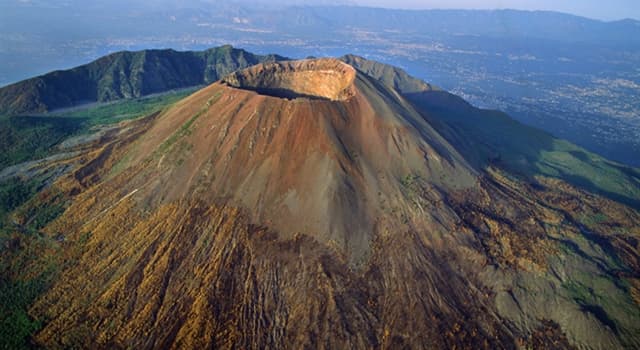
(331, 169)
(329, 216)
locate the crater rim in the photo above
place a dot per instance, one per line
(318, 79)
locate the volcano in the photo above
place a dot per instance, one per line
(311, 203)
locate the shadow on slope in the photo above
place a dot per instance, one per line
(488, 137)
(284, 93)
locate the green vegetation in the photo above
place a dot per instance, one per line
(124, 75)
(19, 251)
(34, 137)
(124, 109)
(13, 193)
(488, 137)
(565, 160)
(29, 138)
(43, 215)
(601, 297)
(20, 285)
(16, 327)
(21, 248)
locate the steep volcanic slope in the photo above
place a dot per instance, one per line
(307, 204)
(316, 165)
(490, 137)
(391, 76)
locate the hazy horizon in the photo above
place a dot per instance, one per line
(596, 9)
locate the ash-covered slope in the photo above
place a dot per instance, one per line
(308, 204)
(329, 163)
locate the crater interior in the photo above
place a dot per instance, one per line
(325, 79)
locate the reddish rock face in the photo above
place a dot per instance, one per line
(307, 204)
(328, 79)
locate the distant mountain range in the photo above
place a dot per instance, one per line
(279, 17)
(124, 75)
(486, 23)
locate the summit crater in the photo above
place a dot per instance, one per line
(321, 79)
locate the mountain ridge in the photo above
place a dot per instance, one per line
(124, 74)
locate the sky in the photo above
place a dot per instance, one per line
(598, 9)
